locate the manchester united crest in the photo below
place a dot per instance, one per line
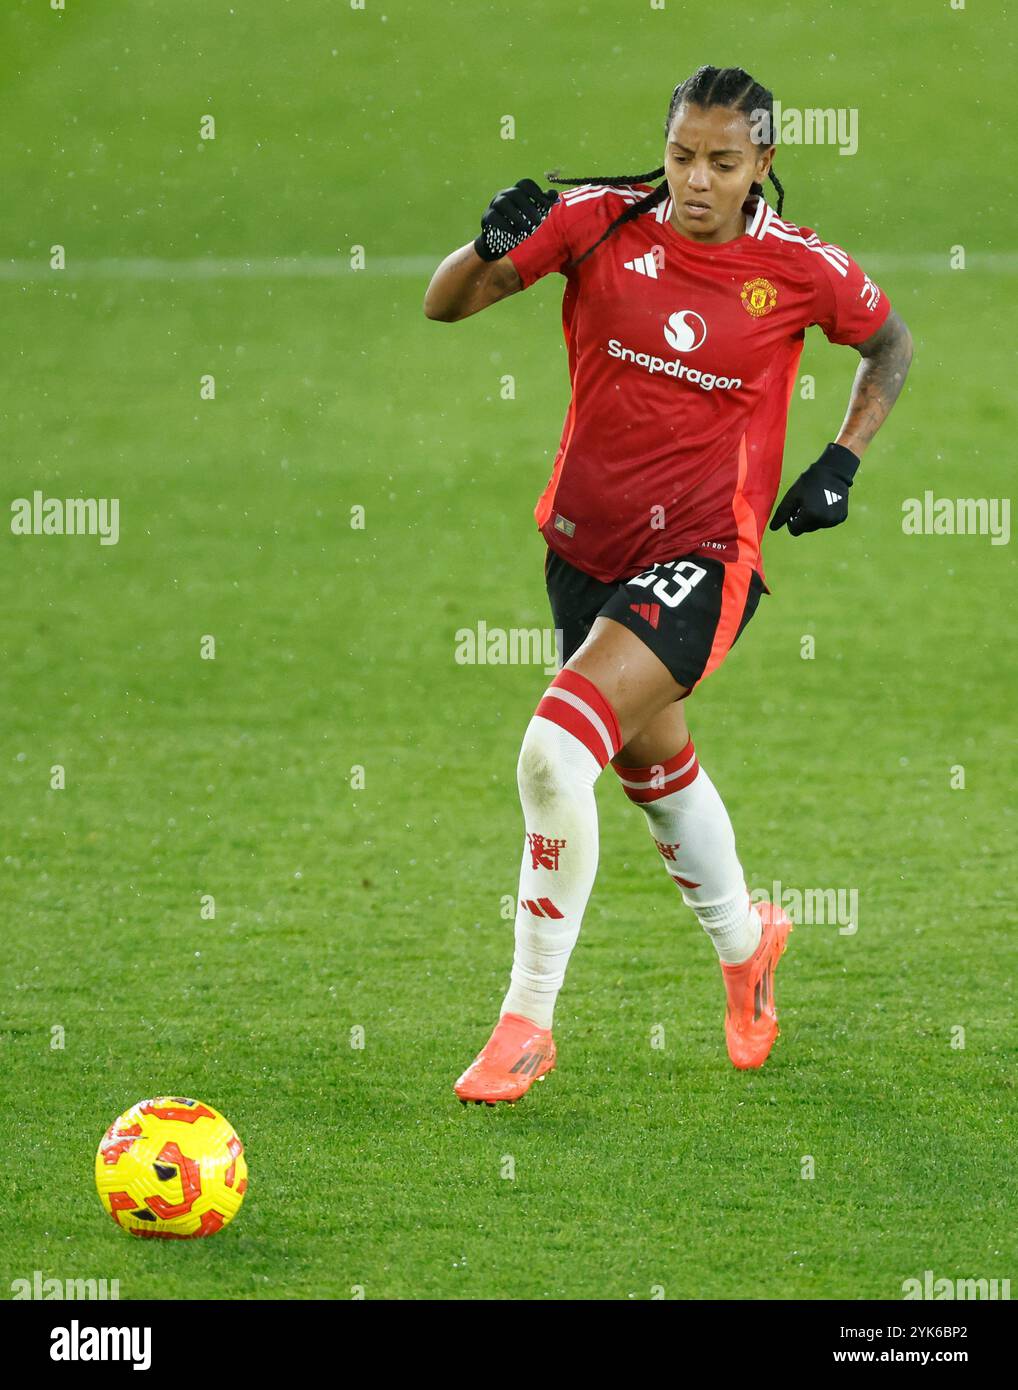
(758, 297)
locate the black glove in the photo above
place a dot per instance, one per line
(819, 497)
(510, 218)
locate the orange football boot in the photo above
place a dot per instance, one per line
(751, 1020)
(517, 1054)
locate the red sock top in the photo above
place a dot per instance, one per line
(576, 705)
(651, 783)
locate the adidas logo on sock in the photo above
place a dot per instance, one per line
(643, 265)
(541, 907)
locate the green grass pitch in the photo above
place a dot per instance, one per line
(636, 1168)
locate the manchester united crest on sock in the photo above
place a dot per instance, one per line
(544, 852)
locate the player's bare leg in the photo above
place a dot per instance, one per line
(637, 684)
(660, 739)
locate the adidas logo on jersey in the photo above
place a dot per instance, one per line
(643, 265)
(832, 497)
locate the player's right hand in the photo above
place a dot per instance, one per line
(510, 218)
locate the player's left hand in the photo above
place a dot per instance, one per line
(510, 218)
(819, 497)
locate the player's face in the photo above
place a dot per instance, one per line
(710, 162)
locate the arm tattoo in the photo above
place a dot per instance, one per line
(505, 276)
(878, 382)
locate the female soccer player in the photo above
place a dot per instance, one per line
(684, 312)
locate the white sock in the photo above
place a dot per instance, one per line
(695, 839)
(571, 737)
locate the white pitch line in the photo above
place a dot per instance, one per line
(987, 262)
(207, 268)
(338, 267)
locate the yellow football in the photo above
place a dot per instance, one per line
(171, 1168)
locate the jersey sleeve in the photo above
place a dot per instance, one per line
(848, 305)
(545, 249)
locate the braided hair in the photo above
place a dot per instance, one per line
(732, 87)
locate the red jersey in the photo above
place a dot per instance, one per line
(682, 359)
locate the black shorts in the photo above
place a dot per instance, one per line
(688, 611)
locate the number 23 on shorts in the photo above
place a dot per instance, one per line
(672, 580)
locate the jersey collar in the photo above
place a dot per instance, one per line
(756, 209)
